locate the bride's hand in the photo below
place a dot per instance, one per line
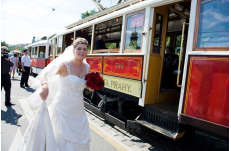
(90, 89)
(44, 93)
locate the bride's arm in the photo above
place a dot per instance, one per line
(45, 89)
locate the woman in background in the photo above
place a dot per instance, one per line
(15, 61)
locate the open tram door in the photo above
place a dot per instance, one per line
(162, 94)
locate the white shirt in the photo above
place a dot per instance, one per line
(26, 60)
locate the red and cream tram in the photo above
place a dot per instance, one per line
(149, 85)
(40, 55)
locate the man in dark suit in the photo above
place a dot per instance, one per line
(6, 63)
(26, 67)
(100, 44)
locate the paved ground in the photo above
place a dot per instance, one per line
(104, 136)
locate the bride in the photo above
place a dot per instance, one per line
(66, 128)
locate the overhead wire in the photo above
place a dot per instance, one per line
(43, 18)
(41, 4)
(52, 7)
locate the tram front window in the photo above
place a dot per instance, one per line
(42, 51)
(108, 36)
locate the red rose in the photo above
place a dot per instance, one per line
(94, 80)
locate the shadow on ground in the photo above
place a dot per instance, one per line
(10, 116)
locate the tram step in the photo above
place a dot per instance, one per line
(171, 134)
(104, 115)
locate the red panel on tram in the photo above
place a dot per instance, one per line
(33, 62)
(95, 63)
(41, 63)
(48, 61)
(128, 67)
(207, 89)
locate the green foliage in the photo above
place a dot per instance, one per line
(132, 45)
(21, 48)
(110, 45)
(178, 41)
(167, 41)
(86, 14)
(3, 43)
(51, 36)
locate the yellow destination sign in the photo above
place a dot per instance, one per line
(128, 86)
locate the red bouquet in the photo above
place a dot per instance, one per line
(94, 81)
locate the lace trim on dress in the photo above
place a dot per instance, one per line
(87, 67)
(67, 63)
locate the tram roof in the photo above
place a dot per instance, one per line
(110, 15)
(103, 13)
(41, 42)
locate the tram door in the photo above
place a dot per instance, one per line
(164, 56)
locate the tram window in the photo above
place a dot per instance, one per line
(157, 34)
(87, 34)
(32, 52)
(133, 34)
(108, 36)
(60, 40)
(36, 52)
(68, 40)
(53, 47)
(29, 51)
(111, 45)
(214, 24)
(42, 51)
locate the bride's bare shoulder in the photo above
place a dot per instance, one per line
(62, 69)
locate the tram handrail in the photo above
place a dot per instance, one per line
(144, 80)
(182, 39)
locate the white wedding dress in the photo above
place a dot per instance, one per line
(68, 118)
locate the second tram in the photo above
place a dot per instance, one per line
(40, 55)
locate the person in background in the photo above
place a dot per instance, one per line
(100, 44)
(15, 61)
(26, 67)
(170, 65)
(171, 59)
(6, 63)
(19, 69)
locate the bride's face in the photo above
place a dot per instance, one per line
(80, 51)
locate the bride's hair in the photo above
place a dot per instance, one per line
(79, 41)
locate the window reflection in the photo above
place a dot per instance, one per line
(214, 24)
(134, 29)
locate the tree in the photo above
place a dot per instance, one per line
(3, 43)
(86, 14)
(51, 36)
(21, 48)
